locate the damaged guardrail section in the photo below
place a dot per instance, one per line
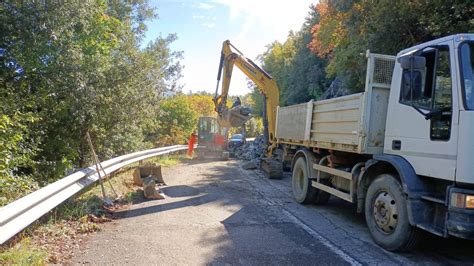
(17, 215)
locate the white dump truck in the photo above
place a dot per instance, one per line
(402, 150)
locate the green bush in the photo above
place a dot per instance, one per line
(12, 188)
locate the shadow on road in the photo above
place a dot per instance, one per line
(257, 233)
(215, 187)
(180, 191)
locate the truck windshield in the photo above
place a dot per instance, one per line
(467, 64)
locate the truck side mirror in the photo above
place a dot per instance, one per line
(413, 68)
(411, 85)
(409, 61)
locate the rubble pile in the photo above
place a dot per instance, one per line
(251, 150)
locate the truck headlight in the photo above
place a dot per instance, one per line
(469, 201)
(463, 201)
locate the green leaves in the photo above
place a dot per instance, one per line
(346, 29)
(176, 121)
(72, 67)
(299, 74)
(333, 41)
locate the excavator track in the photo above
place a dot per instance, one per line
(272, 168)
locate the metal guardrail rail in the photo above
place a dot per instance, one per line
(17, 215)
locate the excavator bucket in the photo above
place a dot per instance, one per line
(234, 117)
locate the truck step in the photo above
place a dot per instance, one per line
(432, 229)
(434, 199)
(333, 191)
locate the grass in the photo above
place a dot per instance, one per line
(166, 161)
(43, 242)
(23, 253)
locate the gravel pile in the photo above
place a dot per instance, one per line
(251, 150)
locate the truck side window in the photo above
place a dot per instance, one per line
(441, 124)
(431, 89)
(417, 85)
(467, 62)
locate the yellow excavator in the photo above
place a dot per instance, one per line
(236, 116)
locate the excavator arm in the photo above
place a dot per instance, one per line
(231, 56)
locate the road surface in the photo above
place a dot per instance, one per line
(218, 213)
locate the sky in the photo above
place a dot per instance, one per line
(202, 26)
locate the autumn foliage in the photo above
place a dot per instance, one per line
(330, 31)
(346, 29)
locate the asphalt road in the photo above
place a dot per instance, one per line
(218, 213)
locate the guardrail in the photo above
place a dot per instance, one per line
(17, 215)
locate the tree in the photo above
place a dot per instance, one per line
(346, 29)
(175, 122)
(201, 104)
(299, 74)
(307, 76)
(75, 67)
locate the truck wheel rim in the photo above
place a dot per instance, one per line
(385, 212)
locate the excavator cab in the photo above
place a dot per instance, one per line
(212, 138)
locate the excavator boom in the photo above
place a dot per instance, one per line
(234, 117)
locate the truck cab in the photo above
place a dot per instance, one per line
(425, 108)
(430, 124)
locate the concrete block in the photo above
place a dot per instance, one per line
(142, 172)
(149, 189)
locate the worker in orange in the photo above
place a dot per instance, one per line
(192, 140)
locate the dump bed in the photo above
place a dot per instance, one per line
(352, 123)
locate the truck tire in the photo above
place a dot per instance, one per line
(387, 216)
(303, 191)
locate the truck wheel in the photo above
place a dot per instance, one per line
(303, 191)
(387, 217)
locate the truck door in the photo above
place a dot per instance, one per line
(465, 166)
(422, 116)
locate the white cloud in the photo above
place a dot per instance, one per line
(205, 6)
(274, 16)
(199, 17)
(259, 23)
(262, 22)
(209, 25)
(206, 21)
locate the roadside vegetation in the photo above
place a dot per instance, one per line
(55, 237)
(329, 49)
(75, 67)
